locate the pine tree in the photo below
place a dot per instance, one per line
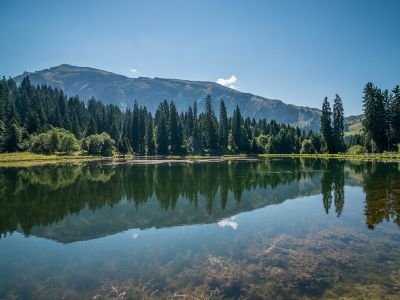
(135, 129)
(326, 125)
(189, 123)
(338, 125)
(210, 126)
(2, 135)
(374, 122)
(395, 115)
(13, 138)
(162, 136)
(150, 147)
(223, 126)
(124, 147)
(174, 134)
(91, 126)
(237, 129)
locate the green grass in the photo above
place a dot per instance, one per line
(367, 156)
(27, 159)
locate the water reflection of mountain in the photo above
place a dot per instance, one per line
(70, 203)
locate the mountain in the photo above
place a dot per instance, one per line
(123, 91)
(354, 124)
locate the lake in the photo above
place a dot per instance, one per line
(268, 229)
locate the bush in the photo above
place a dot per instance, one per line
(356, 150)
(307, 147)
(262, 142)
(68, 144)
(100, 144)
(94, 143)
(54, 140)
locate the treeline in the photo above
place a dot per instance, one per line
(380, 125)
(44, 120)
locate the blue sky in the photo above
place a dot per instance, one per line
(296, 51)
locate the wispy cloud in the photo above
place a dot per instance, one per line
(228, 82)
(229, 222)
(134, 71)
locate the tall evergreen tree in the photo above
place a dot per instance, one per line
(162, 136)
(13, 138)
(326, 125)
(338, 125)
(210, 126)
(237, 129)
(174, 134)
(223, 126)
(150, 146)
(374, 122)
(395, 115)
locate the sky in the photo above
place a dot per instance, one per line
(295, 51)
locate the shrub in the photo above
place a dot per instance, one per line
(100, 144)
(356, 150)
(68, 144)
(307, 147)
(262, 142)
(94, 144)
(54, 140)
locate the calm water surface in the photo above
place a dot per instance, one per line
(271, 229)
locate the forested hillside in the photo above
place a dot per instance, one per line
(42, 119)
(123, 91)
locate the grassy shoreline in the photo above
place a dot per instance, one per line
(27, 159)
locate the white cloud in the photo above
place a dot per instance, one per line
(229, 222)
(229, 82)
(134, 71)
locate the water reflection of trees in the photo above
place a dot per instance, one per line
(42, 196)
(332, 185)
(45, 195)
(381, 185)
(382, 190)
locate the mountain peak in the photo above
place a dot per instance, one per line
(111, 88)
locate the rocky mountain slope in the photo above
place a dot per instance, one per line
(124, 91)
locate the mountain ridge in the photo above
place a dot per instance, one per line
(112, 88)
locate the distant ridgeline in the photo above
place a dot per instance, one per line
(97, 200)
(44, 120)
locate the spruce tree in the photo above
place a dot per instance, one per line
(150, 147)
(338, 125)
(13, 138)
(395, 115)
(223, 126)
(124, 147)
(326, 125)
(374, 122)
(237, 129)
(210, 126)
(162, 136)
(2, 135)
(174, 135)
